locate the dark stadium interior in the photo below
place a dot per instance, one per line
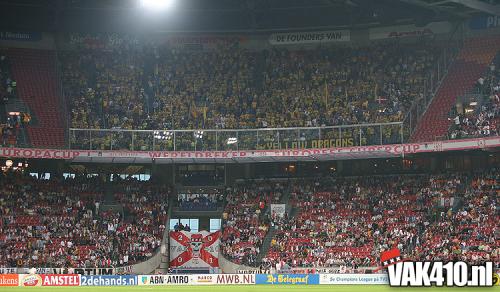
(221, 15)
(248, 136)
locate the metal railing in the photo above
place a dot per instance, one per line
(237, 139)
(434, 79)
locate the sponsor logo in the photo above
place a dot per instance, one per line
(9, 280)
(8, 271)
(311, 37)
(108, 280)
(292, 279)
(204, 279)
(164, 280)
(232, 279)
(31, 280)
(354, 279)
(99, 271)
(60, 280)
(417, 274)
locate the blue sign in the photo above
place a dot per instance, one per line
(108, 280)
(484, 22)
(287, 279)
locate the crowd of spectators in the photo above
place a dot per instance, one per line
(62, 222)
(234, 88)
(483, 118)
(245, 222)
(347, 223)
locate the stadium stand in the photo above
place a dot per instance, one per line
(160, 88)
(37, 83)
(343, 223)
(246, 222)
(348, 222)
(9, 125)
(473, 60)
(483, 118)
(64, 223)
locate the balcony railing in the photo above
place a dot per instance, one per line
(241, 139)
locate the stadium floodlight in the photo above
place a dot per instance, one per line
(165, 135)
(198, 134)
(156, 4)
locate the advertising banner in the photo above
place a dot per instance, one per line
(355, 152)
(235, 279)
(80, 271)
(9, 280)
(108, 280)
(9, 271)
(278, 209)
(354, 279)
(309, 37)
(412, 30)
(30, 280)
(155, 280)
(194, 250)
(287, 279)
(60, 280)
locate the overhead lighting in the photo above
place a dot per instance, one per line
(474, 103)
(469, 110)
(9, 163)
(156, 4)
(198, 134)
(232, 140)
(163, 135)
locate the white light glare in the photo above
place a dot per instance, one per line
(156, 4)
(232, 140)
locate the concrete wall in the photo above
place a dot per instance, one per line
(229, 267)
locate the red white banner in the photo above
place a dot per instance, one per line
(355, 152)
(194, 250)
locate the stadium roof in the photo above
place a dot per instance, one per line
(230, 15)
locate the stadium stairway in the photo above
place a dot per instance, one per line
(35, 73)
(470, 64)
(266, 243)
(165, 258)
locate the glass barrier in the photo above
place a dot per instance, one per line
(226, 140)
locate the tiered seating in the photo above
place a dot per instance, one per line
(340, 224)
(484, 118)
(471, 63)
(34, 71)
(244, 226)
(59, 223)
(349, 222)
(230, 87)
